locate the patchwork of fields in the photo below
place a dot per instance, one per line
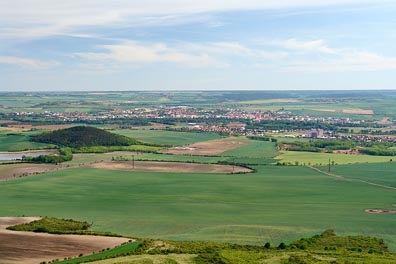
(275, 204)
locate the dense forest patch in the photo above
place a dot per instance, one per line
(84, 136)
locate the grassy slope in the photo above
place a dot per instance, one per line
(323, 158)
(324, 248)
(276, 204)
(166, 137)
(151, 259)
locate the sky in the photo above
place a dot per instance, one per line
(96, 45)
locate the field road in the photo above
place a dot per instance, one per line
(352, 180)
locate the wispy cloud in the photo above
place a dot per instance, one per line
(25, 62)
(306, 46)
(318, 56)
(42, 18)
(291, 55)
(347, 60)
(144, 53)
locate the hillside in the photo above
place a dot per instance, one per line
(84, 136)
(324, 248)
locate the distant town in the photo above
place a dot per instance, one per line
(230, 121)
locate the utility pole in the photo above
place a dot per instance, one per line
(329, 165)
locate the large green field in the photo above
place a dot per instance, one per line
(166, 137)
(315, 158)
(257, 152)
(19, 141)
(275, 204)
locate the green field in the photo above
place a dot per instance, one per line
(255, 149)
(165, 137)
(114, 252)
(97, 157)
(379, 173)
(275, 204)
(180, 158)
(315, 158)
(19, 142)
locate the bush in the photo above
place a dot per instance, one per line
(282, 246)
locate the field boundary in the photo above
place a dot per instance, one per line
(351, 180)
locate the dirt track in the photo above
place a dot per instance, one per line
(33, 248)
(351, 179)
(158, 166)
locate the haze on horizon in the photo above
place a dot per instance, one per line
(197, 45)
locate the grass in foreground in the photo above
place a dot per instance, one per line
(250, 208)
(324, 248)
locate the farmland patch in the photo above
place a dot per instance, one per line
(156, 166)
(211, 147)
(30, 247)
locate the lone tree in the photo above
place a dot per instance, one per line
(282, 246)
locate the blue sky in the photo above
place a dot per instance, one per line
(48, 45)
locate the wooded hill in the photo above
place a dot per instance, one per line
(84, 136)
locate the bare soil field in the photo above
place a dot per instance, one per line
(150, 126)
(5, 121)
(380, 211)
(12, 171)
(358, 111)
(348, 111)
(158, 166)
(346, 151)
(33, 248)
(27, 127)
(211, 147)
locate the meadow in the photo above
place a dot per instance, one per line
(275, 204)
